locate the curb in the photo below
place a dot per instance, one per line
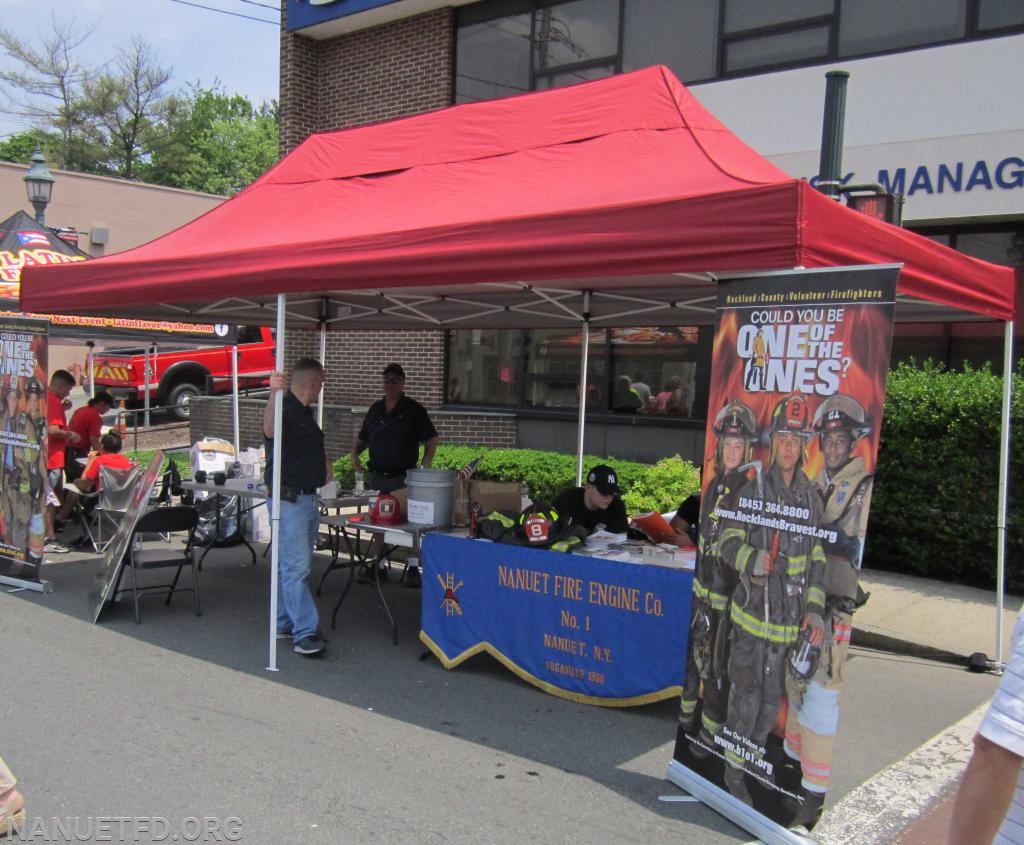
(877, 640)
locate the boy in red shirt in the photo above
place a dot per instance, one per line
(110, 456)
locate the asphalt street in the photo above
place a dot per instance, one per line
(178, 719)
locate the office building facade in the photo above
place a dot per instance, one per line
(929, 115)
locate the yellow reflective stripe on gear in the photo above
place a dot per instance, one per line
(687, 707)
(781, 634)
(711, 725)
(816, 596)
(796, 565)
(717, 601)
(498, 516)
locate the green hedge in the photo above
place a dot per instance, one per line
(648, 487)
(933, 509)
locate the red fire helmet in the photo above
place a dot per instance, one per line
(386, 511)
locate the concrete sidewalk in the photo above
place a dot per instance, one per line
(933, 619)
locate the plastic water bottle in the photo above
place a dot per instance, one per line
(359, 483)
(524, 497)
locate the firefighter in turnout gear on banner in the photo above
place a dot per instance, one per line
(845, 488)
(714, 582)
(780, 565)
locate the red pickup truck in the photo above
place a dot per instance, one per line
(181, 372)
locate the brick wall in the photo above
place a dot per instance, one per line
(212, 417)
(389, 71)
(297, 98)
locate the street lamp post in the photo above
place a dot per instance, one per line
(39, 185)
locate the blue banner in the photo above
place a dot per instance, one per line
(306, 13)
(597, 631)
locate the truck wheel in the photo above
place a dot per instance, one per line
(179, 397)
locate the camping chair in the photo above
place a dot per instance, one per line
(168, 520)
(115, 493)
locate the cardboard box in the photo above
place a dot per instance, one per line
(496, 495)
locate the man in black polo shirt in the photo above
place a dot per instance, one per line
(596, 505)
(393, 430)
(304, 469)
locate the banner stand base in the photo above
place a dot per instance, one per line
(722, 802)
(20, 584)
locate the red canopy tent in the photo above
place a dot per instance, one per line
(626, 184)
(615, 202)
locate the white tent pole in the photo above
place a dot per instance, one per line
(1004, 468)
(90, 360)
(275, 490)
(234, 394)
(585, 352)
(149, 366)
(323, 360)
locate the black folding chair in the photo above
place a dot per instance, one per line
(163, 521)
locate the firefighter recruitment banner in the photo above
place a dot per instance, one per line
(23, 368)
(798, 386)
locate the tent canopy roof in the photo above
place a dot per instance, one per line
(623, 199)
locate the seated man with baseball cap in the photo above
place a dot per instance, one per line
(596, 506)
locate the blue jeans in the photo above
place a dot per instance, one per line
(296, 610)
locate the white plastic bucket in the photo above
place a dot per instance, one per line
(430, 497)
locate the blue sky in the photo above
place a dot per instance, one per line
(199, 45)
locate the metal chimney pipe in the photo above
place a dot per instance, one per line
(830, 170)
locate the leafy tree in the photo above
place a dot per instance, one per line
(47, 90)
(215, 142)
(123, 118)
(128, 107)
(18, 148)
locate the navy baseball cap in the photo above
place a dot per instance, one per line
(604, 479)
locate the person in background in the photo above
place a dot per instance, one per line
(662, 399)
(59, 437)
(110, 456)
(989, 805)
(624, 397)
(393, 429)
(87, 423)
(596, 505)
(304, 470)
(642, 389)
(685, 522)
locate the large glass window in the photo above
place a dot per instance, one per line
(871, 26)
(999, 14)
(504, 47)
(493, 58)
(653, 370)
(575, 32)
(742, 15)
(552, 365)
(571, 77)
(777, 49)
(485, 367)
(680, 34)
